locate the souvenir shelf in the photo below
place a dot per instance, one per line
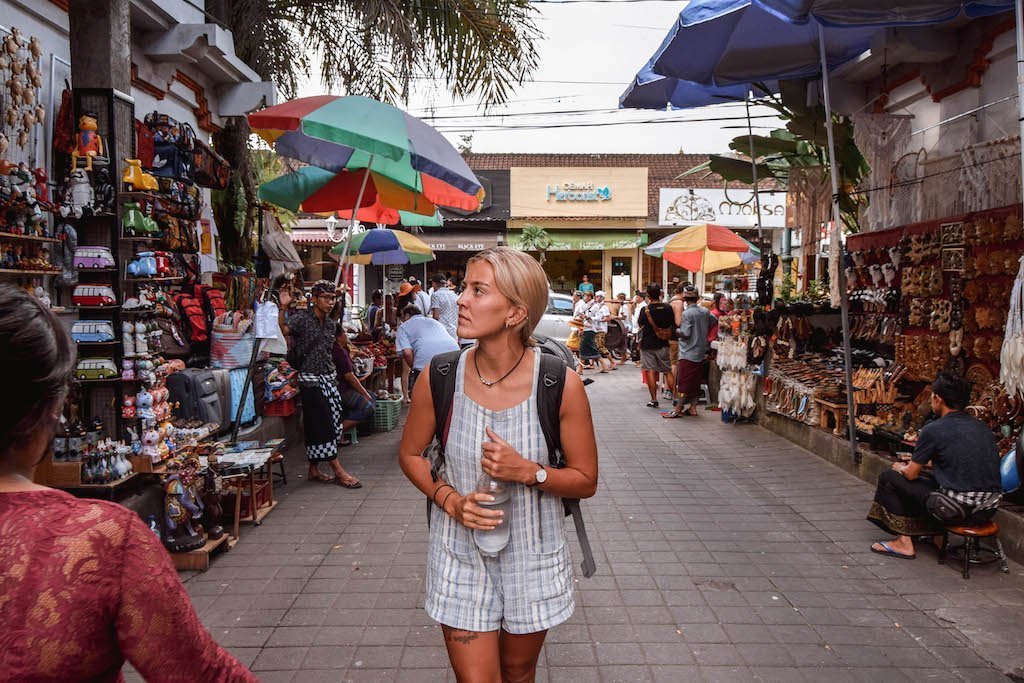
(16, 271)
(115, 124)
(30, 238)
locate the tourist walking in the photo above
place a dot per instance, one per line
(444, 305)
(495, 609)
(419, 339)
(693, 351)
(601, 315)
(657, 326)
(85, 584)
(313, 335)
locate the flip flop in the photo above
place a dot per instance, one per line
(351, 484)
(322, 478)
(672, 415)
(890, 551)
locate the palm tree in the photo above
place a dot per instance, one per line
(474, 48)
(535, 238)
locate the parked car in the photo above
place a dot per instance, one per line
(93, 295)
(554, 324)
(96, 368)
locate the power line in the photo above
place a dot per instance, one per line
(584, 124)
(567, 112)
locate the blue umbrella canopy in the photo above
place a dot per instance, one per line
(846, 13)
(652, 91)
(726, 42)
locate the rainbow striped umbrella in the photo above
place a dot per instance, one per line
(383, 247)
(708, 248)
(314, 190)
(337, 133)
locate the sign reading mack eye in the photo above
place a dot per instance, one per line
(578, 192)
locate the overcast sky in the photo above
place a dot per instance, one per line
(589, 54)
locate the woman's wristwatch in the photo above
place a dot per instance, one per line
(539, 477)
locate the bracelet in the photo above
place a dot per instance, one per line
(446, 497)
(434, 497)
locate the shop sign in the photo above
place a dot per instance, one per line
(730, 208)
(578, 192)
(394, 272)
(456, 246)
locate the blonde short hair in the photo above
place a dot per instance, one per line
(520, 278)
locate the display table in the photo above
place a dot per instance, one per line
(246, 473)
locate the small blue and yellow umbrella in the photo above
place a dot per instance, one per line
(385, 247)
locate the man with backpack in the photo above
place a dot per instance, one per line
(657, 328)
(312, 335)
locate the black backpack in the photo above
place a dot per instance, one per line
(549, 401)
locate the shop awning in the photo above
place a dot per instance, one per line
(587, 240)
(311, 237)
(455, 240)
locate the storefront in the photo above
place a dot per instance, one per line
(734, 209)
(125, 254)
(594, 220)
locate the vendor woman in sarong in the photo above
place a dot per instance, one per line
(312, 335)
(965, 466)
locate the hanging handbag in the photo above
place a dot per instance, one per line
(144, 144)
(211, 170)
(662, 333)
(173, 343)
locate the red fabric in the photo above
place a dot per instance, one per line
(688, 377)
(85, 585)
(721, 238)
(288, 115)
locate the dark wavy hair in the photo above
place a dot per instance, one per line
(38, 359)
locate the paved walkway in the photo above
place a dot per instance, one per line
(724, 553)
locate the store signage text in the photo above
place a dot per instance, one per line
(578, 192)
(731, 208)
(458, 246)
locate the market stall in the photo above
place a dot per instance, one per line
(924, 297)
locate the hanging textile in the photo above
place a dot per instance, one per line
(882, 140)
(990, 174)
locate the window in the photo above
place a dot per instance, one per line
(559, 306)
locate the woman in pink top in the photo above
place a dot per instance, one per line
(84, 584)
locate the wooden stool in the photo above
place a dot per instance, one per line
(836, 411)
(972, 535)
(278, 459)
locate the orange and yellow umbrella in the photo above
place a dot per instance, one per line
(704, 248)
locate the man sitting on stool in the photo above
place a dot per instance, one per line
(965, 467)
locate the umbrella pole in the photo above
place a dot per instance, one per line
(352, 224)
(753, 170)
(844, 299)
(1018, 10)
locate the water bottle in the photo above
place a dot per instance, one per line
(493, 541)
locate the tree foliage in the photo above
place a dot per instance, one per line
(376, 48)
(803, 142)
(535, 238)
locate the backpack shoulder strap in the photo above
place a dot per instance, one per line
(550, 386)
(443, 369)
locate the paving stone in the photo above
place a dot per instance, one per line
(724, 554)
